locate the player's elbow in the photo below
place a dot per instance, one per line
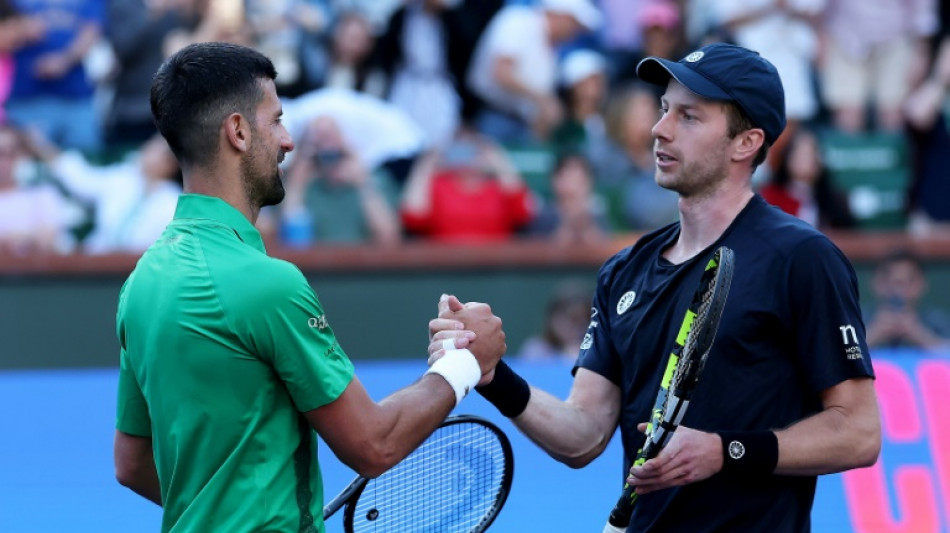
(867, 452)
(124, 476)
(129, 475)
(578, 458)
(370, 469)
(374, 459)
(576, 462)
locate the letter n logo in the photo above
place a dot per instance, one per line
(848, 331)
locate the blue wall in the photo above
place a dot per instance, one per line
(56, 457)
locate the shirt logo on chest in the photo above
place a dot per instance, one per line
(625, 302)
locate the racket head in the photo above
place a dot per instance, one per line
(456, 481)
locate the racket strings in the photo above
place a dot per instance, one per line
(449, 484)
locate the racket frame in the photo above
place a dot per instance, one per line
(684, 366)
(349, 497)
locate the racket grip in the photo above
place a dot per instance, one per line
(619, 517)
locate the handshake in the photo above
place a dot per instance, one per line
(466, 343)
(469, 326)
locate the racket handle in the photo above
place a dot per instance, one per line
(619, 517)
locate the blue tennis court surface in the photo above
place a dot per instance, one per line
(56, 472)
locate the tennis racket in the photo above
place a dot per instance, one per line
(695, 338)
(456, 482)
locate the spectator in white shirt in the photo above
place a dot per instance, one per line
(34, 218)
(134, 200)
(514, 68)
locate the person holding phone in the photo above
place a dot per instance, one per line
(467, 192)
(899, 321)
(333, 197)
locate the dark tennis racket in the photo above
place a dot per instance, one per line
(695, 338)
(455, 482)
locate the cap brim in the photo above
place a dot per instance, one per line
(658, 71)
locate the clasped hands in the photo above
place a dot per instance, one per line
(472, 326)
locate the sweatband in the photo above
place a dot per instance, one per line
(507, 391)
(448, 344)
(749, 453)
(460, 369)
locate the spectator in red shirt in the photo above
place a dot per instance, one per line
(467, 193)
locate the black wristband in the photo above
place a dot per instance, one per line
(749, 453)
(507, 391)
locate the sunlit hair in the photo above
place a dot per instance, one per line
(198, 87)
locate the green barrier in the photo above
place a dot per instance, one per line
(874, 171)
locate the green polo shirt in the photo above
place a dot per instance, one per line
(222, 348)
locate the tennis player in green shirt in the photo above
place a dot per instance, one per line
(228, 362)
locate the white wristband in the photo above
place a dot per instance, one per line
(460, 369)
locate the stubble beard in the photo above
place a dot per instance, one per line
(262, 189)
(694, 179)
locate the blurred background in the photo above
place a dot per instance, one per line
(498, 150)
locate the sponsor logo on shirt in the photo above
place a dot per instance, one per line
(625, 302)
(587, 342)
(319, 322)
(849, 338)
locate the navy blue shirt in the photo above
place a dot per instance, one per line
(791, 328)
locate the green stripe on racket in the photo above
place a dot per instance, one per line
(686, 361)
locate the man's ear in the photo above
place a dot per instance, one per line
(747, 144)
(238, 132)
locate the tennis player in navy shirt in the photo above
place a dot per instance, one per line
(787, 392)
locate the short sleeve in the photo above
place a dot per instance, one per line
(826, 316)
(507, 33)
(131, 410)
(597, 352)
(283, 323)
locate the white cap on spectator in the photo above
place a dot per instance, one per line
(580, 64)
(583, 11)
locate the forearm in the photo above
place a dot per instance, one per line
(840, 437)
(417, 196)
(564, 430)
(371, 437)
(404, 419)
(87, 37)
(574, 431)
(12, 36)
(506, 77)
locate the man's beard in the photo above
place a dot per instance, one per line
(695, 179)
(261, 191)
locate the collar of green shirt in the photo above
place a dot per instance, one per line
(201, 207)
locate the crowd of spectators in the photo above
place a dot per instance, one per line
(407, 113)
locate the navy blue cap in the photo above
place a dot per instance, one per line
(728, 72)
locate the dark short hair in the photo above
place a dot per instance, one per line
(198, 87)
(738, 122)
(901, 255)
(568, 156)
